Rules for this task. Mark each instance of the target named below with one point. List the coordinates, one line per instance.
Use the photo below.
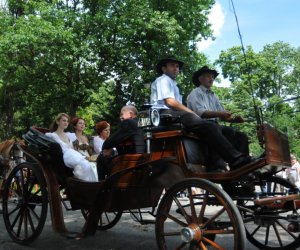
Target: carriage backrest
(48, 151)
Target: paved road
(126, 235)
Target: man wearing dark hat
(165, 94)
(203, 101)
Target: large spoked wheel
(205, 219)
(107, 220)
(272, 228)
(25, 203)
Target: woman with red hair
(103, 131)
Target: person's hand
(93, 158)
(224, 115)
(235, 119)
(107, 152)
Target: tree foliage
(55, 56)
(269, 80)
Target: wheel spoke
(286, 230)
(267, 235)
(20, 223)
(17, 208)
(202, 210)
(25, 223)
(193, 210)
(277, 235)
(202, 246)
(31, 181)
(213, 243)
(209, 221)
(16, 219)
(106, 216)
(179, 222)
(256, 229)
(177, 233)
(182, 210)
(36, 216)
(30, 221)
(218, 231)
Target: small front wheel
(25, 203)
(269, 227)
(205, 219)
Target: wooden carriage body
(137, 181)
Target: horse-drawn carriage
(256, 204)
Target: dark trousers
(103, 166)
(210, 133)
(238, 139)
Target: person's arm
(72, 136)
(97, 145)
(122, 134)
(174, 104)
(223, 114)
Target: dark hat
(164, 61)
(202, 71)
(100, 126)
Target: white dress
(75, 160)
(83, 150)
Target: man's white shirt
(164, 87)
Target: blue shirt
(164, 87)
(202, 99)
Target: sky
(261, 22)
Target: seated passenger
(82, 143)
(72, 159)
(103, 131)
(128, 139)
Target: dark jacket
(128, 139)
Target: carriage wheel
(269, 228)
(107, 220)
(25, 203)
(206, 218)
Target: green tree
(266, 78)
(55, 55)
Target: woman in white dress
(103, 131)
(72, 159)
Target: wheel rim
(271, 228)
(25, 203)
(206, 219)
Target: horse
(10, 155)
